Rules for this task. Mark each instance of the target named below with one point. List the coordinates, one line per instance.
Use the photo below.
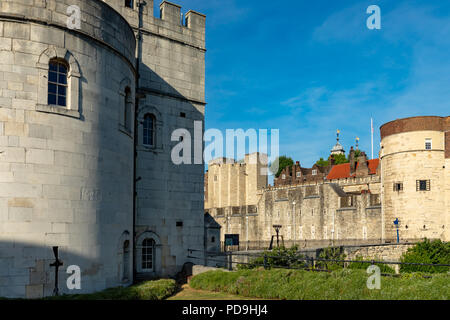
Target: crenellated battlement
(170, 22)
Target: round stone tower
(415, 178)
(66, 145)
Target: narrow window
(148, 252)
(126, 260)
(422, 185)
(283, 176)
(398, 186)
(314, 172)
(57, 83)
(149, 130)
(213, 239)
(127, 109)
(428, 144)
(129, 4)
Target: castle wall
(315, 213)
(170, 197)
(66, 174)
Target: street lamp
(396, 222)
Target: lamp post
(396, 222)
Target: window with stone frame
(398, 186)
(148, 254)
(314, 172)
(422, 185)
(428, 144)
(299, 174)
(57, 83)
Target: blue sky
(311, 67)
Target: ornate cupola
(338, 148)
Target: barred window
(57, 83)
(149, 130)
(398, 186)
(129, 3)
(148, 253)
(422, 185)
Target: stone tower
(415, 171)
(68, 103)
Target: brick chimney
(363, 169)
(352, 160)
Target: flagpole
(371, 129)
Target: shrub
(432, 252)
(278, 257)
(331, 253)
(360, 265)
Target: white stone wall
(172, 89)
(66, 176)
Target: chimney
(363, 168)
(352, 160)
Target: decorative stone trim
(157, 145)
(73, 83)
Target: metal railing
(307, 263)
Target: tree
(283, 162)
(322, 163)
(340, 158)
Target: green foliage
(340, 158)
(278, 257)
(283, 162)
(344, 284)
(435, 252)
(322, 163)
(149, 290)
(331, 253)
(361, 265)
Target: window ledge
(57, 110)
(149, 149)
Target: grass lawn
(343, 284)
(188, 293)
(149, 290)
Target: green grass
(187, 293)
(149, 290)
(343, 284)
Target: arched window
(148, 253)
(57, 83)
(126, 260)
(128, 103)
(149, 130)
